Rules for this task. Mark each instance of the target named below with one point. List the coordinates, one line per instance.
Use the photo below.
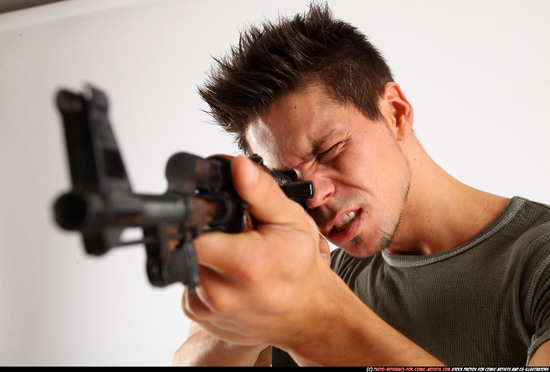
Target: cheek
(377, 167)
(351, 172)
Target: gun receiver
(200, 196)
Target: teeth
(340, 226)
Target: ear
(398, 111)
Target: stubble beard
(386, 237)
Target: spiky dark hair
(284, 56)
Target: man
(429, 270)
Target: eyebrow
(317, 145)
(315, 149)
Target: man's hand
(255, 285)
(271, 286)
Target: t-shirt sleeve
(539, 302)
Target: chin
(358, 248)
(362, 247)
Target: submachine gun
(200, 196)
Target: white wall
(476, 73)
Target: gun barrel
(92, 211)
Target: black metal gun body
(200, 196)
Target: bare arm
(541, 356)
(204, 349)
(273, 288)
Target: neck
(441, 213)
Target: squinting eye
(324, 153)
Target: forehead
(294, 124)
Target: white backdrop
(475, 71)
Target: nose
(324, 189)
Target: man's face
(360, 174)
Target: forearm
(204, 349)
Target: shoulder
(523, 239)
(532, 213)
(525, 227)
(531, 260)
(532, 225)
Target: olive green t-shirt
(486, 302)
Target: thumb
(268, 203)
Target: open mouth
(347, 228)
(344, 223)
